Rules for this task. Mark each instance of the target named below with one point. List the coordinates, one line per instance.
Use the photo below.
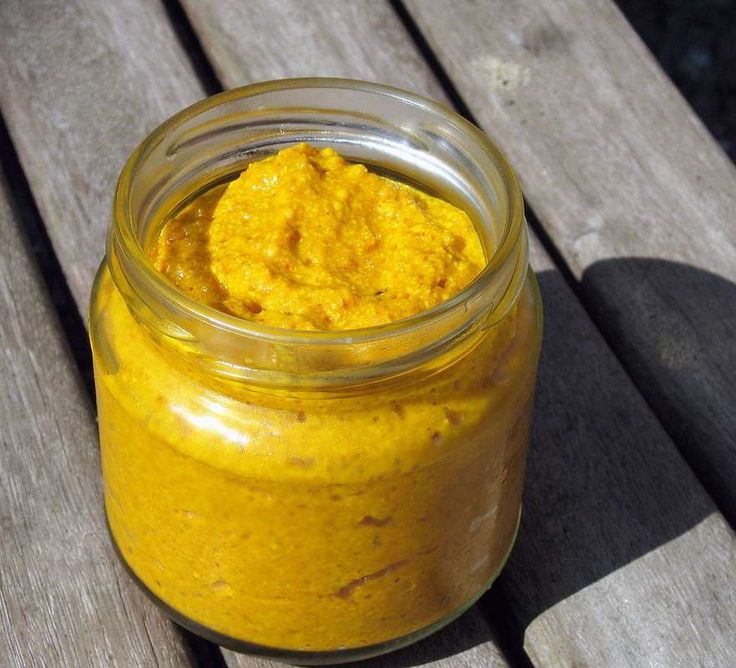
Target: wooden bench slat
(64, 599)
(301, 46)
(76, 109)
(466, 643)
(619, 543)
(614, 519)
(632, 189)
(81, 84)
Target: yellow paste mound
(306, 240)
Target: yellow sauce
(306, 240)
(321, 522)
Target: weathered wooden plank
(619, 542)
(65, 87)
(466, 643)
(80, 85)
(630, 186)
(293, 38)
(64, 600)
(622, 558)
(73, 180)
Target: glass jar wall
(314, 496)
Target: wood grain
(612, 551)
(294, 38)
(466, 643)
(64, 600)
(632, 189)
(81, 83)
(619, 543)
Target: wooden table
(626, 556)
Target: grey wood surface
(289, 39)
(611, 553)
(466, 643)
(633, 191)
(81, 83)
(64, 600)
(622, 557)
(616, 528)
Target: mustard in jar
(314, 381)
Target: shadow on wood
(684, 361)
(605, 484)
(456, 646)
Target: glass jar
(314, 496)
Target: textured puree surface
(324, 521)
(314, 523)
(306, 240)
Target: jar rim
(126, 242)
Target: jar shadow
(684, 359)
(464, 637)
(605, 483)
